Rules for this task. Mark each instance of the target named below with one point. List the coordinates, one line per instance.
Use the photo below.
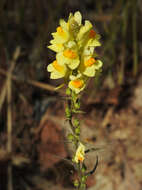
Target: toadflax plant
(76, 61)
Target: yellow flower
(69, 57)
(93, 40)
(77, 83)
(57, 70)
(87, 36)
(89, 66)
(62, 34)
(80, 153)
(84, 30)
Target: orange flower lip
(77, 83)
(70, 54)
(80, 158)
(89, 62)
(60, 31)
(92, 33)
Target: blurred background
(33, 151)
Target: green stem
(73, 105)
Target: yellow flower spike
(74, 44)
(80, 153)
(57, 70)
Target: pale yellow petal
(90, 71)
(80, 153)
(64, 25)
(56, 47)
(78, 17)
(84, 29)
(60, 58)
(73, 64)
(98, 64)
(56, 75)
(50, 68)
(93, 42)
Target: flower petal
(84, 29)
(78, 17)
(80, 153)
(90, 71)
(56, 47)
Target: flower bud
(68, 91)
(76, 123)
(76, 183)
(70, 137)
(68, 112)
(77, 131)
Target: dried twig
(13, 62)
(9, 116)
(2, 96)
(9, 130)
(32, 82)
